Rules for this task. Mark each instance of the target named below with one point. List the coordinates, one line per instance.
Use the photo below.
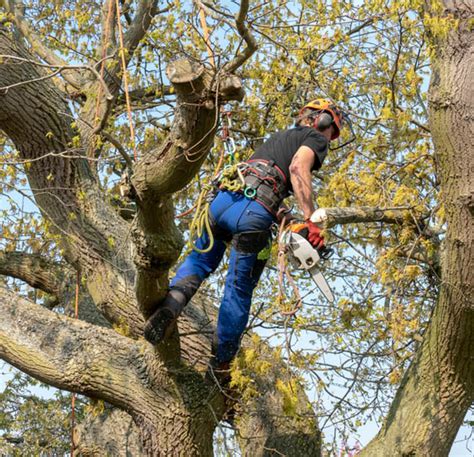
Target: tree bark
(438, 388)
(112, 432)
(171, 406)
(35, 270)
(35, 116)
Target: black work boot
(218, 372)
(159, 325)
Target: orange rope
(125, 80)
(202, 16)
(73, 399)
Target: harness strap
(258, 179)
(267, 181)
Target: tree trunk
(111, 432)
(438, 388)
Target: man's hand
(314, 235)
(311, 232)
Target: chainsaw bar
(302, 255)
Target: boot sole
(159, 326)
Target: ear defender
(323, 121)
(325, 107)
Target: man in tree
(282, 164)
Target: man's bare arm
(300, 176)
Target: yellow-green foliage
(122, 328)
(289, 392)
(259, 361)
(95, 408)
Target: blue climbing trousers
(246, 224)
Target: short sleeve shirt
(282, 146)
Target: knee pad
(251, 242)
(188, 286)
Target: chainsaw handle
(325, 252)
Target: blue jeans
(247, 224)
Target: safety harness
(258, 179)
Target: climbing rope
(201, 222)
(205, 29)
(230, 178)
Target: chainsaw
(303, 256)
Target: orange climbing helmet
(324, 105)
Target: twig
(36, 42)
(244, 32)
(60, 68)
(119, 148)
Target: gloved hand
(314, 235)
(310, 231)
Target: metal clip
(230, 145)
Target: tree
(64, 115)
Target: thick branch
(34, 269)
(330, 217)
(38, 121)
(170, 167)
(70, 354)
(97, 108)
(438, 388)
(100, 363)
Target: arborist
(281, 165)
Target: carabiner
(230, 145)
(249, 192)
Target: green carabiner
(249, 192)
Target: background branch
(245, 33)
(243, 30)
(35, 270)
(140, 24)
